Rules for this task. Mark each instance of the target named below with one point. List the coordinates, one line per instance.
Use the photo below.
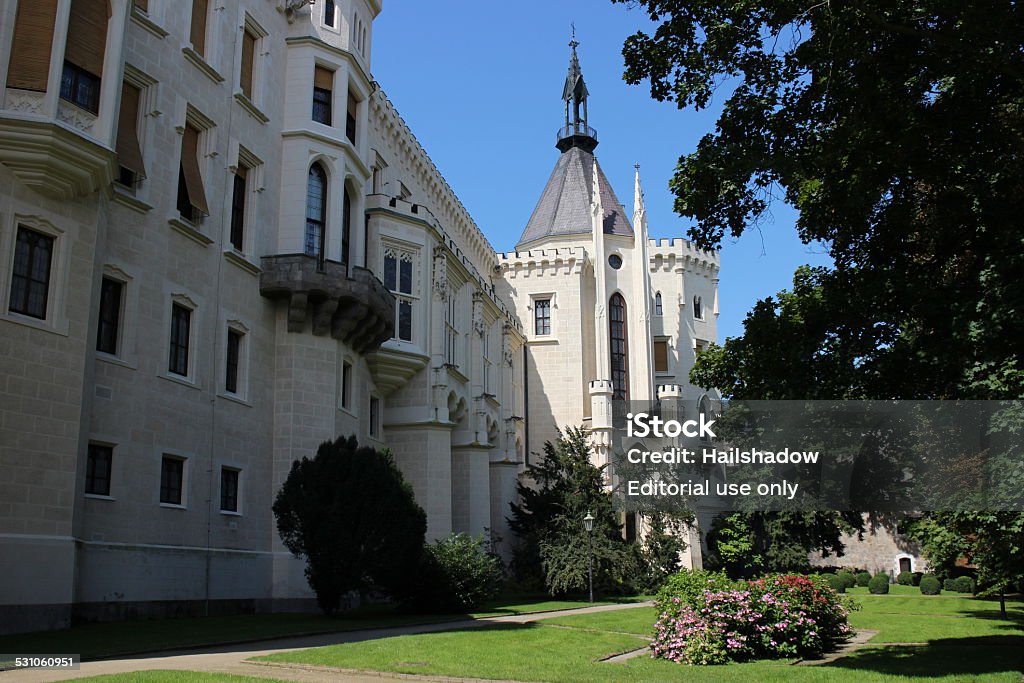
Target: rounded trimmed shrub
(458, 573)
(879, 584)
(950, 585)
(863, 579)
(905, 579)
(916, 578)
(836, 583)
(964, 584)
(848, 579)
(930, 585)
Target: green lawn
(94, 641)
(967, 641)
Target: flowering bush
(777, 616)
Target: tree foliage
(350, 513)
(896, 128)
(555, 496)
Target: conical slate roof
(564, 206)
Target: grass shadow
(942, 657)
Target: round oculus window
(615, 261)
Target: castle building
(221, 245)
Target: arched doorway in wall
(618, 347)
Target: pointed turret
(564, 206)
(575, 132)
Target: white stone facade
(283, 351)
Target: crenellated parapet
(540, 262)
(416, 163)
(677, 253)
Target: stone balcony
(351, 305)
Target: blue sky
(479, 83)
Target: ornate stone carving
(440, 274)
(78, 119)
(25, 101)
(478, 313)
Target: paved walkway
(231, 658)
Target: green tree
(555, 495)
(662, 547)
(350, 513)
(896, 128)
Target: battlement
(669, 391)
(541, 259)
(601, 386)
(679, 252)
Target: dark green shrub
(962, 584)
(930, 585)
(848, 579)
(950, 585)
(905, 579)
(687, 586)
(863, 579)
(916, 578)
(458, 573)
(836, 582)
(879, 584)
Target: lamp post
(588, 524)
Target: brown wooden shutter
(129, 151)
(323, 79)
(190, 167)
(660, 356)
(197, 34)
(248, 50)
(352, 104)
(33, 42)
(142, 5)
(87, 35)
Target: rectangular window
(29, 67)
(374, 416)
(129, 149)
(191, 194)
(350, 118)
(197, 30)
(30, 281)
(346, 224)
(346, 385)
(228, 489)
(542, 317)
(111, 294)
(141, 4)
(172, 476)
(97, 469)
(181, 322)
(238, 185)
(83, 54)
(79, 87)
(699, 346)
(231, 366)
(451, 330)
(398, 278)
(323, 87)
(329, 13)
(661, 356)
(245, 77)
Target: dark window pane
(542, 316)
(316, 211)
(346, 224)
(231, 378)
(229, 489)
(30, 281)
(97, 469)
(329, 10)
(405, 281)
(390, 269)
(181, 321)
(237, 211)
(346, 385)
(110, 315)
(172, 471)
(619, 350)
(374, 415)
(405, 321)
(322, 106)
(80, 87)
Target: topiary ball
(930, 585)
(879, 584)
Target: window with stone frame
(400, 278)
(451, 329)
(542, 317)
(30, 278)
(488, 377)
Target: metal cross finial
(573, 43)
(636, 166)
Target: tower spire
(576, 132)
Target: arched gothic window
(698, 308)
(316, 212)
(619, 348)
(657, 304)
